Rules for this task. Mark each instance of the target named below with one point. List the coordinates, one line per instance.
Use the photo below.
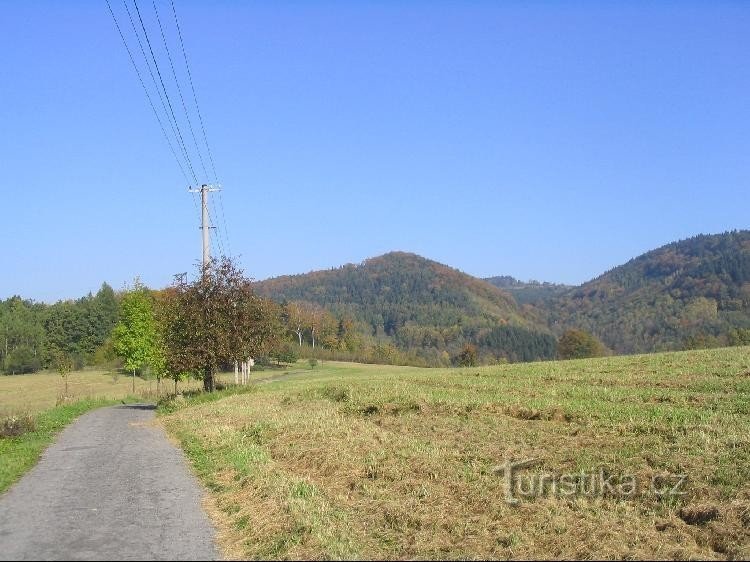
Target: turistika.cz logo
(597, 483)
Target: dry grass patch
(390, 462)
(24, 394)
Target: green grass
(354, 461)
(19, 454)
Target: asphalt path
(111, 487)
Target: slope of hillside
(689, 292)
(419, 304)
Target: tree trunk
(299, 335)
(236, 373)
(175, 386)
(133, 381)
(209, 384)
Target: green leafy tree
(739, 336)
(579, 344)
(135, 336)
(63, 365)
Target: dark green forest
(32, 333)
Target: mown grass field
(21, 394)
(363, 461)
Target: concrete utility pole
(204, 190)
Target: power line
(158, 91)
(161, 98)
(215, 222)
(179, 90)
(168, 108)
(145, 89)
(200, 119)
(224, 220)
(192, 87)
(166, 94)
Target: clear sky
(544, 140)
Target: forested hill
(691, 293)
(529, 292)
(420, 305)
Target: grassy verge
(19, 454)
(366, 461)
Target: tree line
(32, 334)
(217, 322)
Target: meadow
(368, 461)
(34, 393)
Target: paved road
(112, 487)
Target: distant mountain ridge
(694, 290)
(663, 299)
(529, 292)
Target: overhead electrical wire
(200, 120)
(148, 96)
(169, 113)
(179, 90)
(161, 99)
(164, 88)
(192, 87)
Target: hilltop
(420, 305)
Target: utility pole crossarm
(204, 190)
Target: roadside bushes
(15, 426)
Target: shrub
(579, 344)
(467, 357)
(286, 354)
(15, 426)
(22, 360)
(79, 361)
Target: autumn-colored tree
(294, 314)
(468, 356)
(216, 320)
(579, 344)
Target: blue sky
(545, 140)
